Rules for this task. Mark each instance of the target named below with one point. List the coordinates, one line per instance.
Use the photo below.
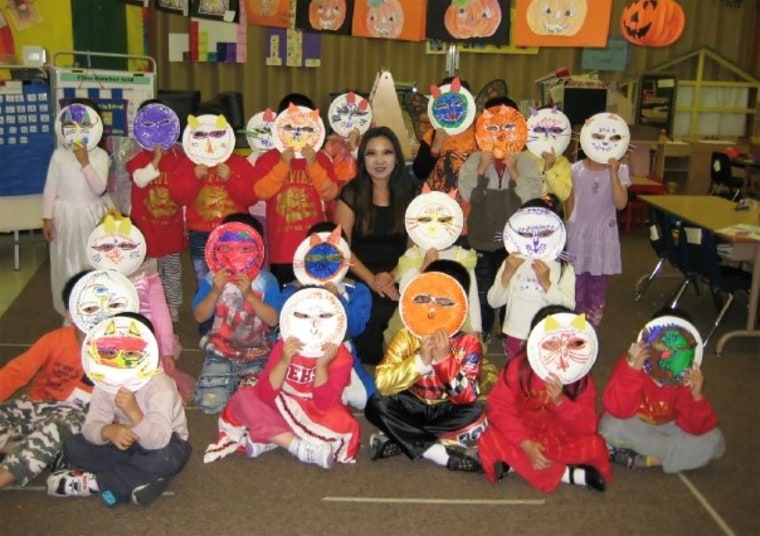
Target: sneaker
(224, 445)
(320, 454)
(500, 470)
(462, 461)
(73, 483)
(254, 450)
(59, 463)
(594, 479)
(623, 456)
(381, 446)
(147, 493)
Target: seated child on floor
(33, 425)
(542, 412)
(135, 436)
(655, 412)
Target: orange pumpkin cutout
(468, 19)
(431, 301)
(556, 17)
(327, 14)
(501, 130)
(656, 23)
(385, 18)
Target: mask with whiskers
(434, 220)
(322, 258)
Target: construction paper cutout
(330, 16)
(322, 258)
(433, 301)
(501, 130)
(549, 130)
(260, 131)
(79, 124)
(208, 139)
(675, 347)
(434, 220)
(101, 294)
(116, 244)
(296, 127)
(270, 13)
(535, 233)
(314, 316)
(389, 19)
(562, 23)
(235, 247)
(452, 108)
(349, 111)
(156, 125)
(603, 136)
(563, 344)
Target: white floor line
(403, 500)
(706, 505)
(43, 488)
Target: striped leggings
(170, 272)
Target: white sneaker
(320, 454)
(70, 483)
(254, 450)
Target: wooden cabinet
(673, 164)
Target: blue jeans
(198, 241)
(219, 379)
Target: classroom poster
(473, 46)
(562, 23)
(270, 13)
(216, 10)
(614, 57)
(389, 19)
(476, 21)
(329, 16)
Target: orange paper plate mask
(432, 301)
(501, 130)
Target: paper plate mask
(564, 344)
(349, 111)
(431, 301)
(120, 352)
(156, 125)
(315, 316)
(116, 244)
(434, 220)
(501, 130)
(100, 294)
(208, 139)
(604, 136)
(236, 247)
(675, 345)
(79, 124)
(548, 130)
(260, 131)
(298, 126)
(535, 233)
(322, 258)
(451, 107)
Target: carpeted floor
(275, 495)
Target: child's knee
(212, 394)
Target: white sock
(579, 476)
(293, 447)
(436, 454)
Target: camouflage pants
(40, 428)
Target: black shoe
(461, 461)
(381, 446)
(500, 469)
(147, 493)
(59, 463)
(623, 456)
(594, 479)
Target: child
(34, 425)
(74, 199)
(543, 430)
(648, 424)
(244, 310)
(525, 287)
(131, 443)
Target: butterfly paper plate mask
(451, 107)
(120, 352)
(260, 131)
(314, 316)
(297, 126)
(434, 219)
(116, 244)
(603, 136)
(208, 139)
(322, 258)
(535, 233)
(156, 125)
(564, 344)
(501, 130)
(432, 301)
(79, 124)
(100, 294)
(675, 347)
(235, 247)
(349, 111)
(549, 130)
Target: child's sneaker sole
(147, 493)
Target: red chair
(636, 212)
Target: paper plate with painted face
(675, 346)
(322, 258)
(100, 294)
(604, 136)
(116, 244)
(298, 126)
(235, 247)
(451, 107)
(501, 130)
(432, 301)
(349, 111)
(120, 352)
(434, 220)
(549, 130)
(260, 131)
(535, 233)
(156, 125)
(208, 139)
(79, 124)
(564, 344)
(315, 316)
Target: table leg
(754, 295)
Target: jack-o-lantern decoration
(327, 14)
(433, 301)
(556, 17)
(501, 130)
(385, 18)
(467, 19)
(656, 23)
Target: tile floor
(32, 253)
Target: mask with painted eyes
(260, 131)
(116, 244)
(535, 233)
(451, 107)
(101, 294)
(79, 124)
(314, 316)
(434, 220)
(120, 352)
(501, 130)
(548, 130)
(675, 347)
(563, 344)
(156, 125)
(322, 258)
(604, 136)
(349, 111)
(236, 247)
(298, 126)
(208, 139)
(431, 301)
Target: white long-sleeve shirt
(68, 181)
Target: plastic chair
(722, 182)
